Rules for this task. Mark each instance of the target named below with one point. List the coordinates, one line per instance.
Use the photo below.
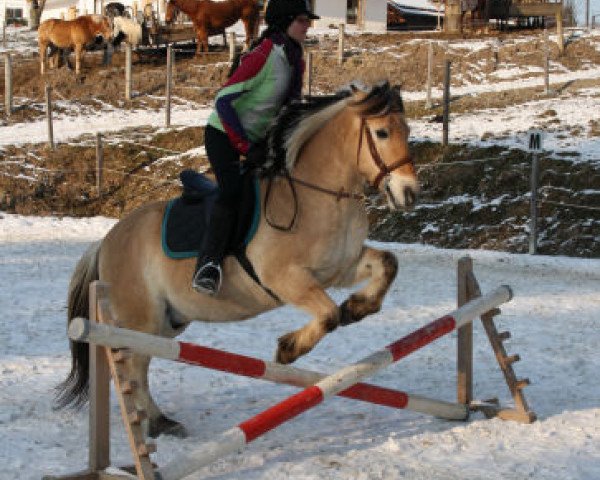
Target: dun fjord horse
(212, 18)
(331, 152)
(66, 35)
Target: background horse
(124, 30)
(67, 35)
(212, 18)
(363, 136)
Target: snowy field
(554, 320)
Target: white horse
(124, 30)
(127, 30)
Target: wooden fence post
(546, 64)
(8, 86)
(128, 82)
(428, 103)
(99, 165)
(231, 36)
(446, 115)
(308, 85)
(464, 353)
(169, 84)
(341, 44)
(49, 116)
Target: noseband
(384, 170)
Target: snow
(554, 321)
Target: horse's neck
(188, 6)
(329, 158)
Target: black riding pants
(225, 162)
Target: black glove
(257, 154)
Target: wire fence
(120, 177)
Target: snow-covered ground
(554, 320)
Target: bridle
(384, 171)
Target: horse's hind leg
(157, 423)
(380, 267)
(146, 314)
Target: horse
(125, 30)
(358, 137)
(212, 18)
(66, 35)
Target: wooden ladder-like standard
(468, 289)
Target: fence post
(308, 85)
(49, 116)
(446, 115)
(8, 87)
(428, 103)
(533, 204)
(99, 164)
(496, 51)
(128, 82)
(341, 43)
(231, 36)
(169, 84)
(546, 64)
(464, 350)
(587, 14)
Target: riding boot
(208, 274)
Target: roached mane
(299, 121)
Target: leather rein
(384, 171)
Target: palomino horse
(66, 35)
(212, 18)
(358, 137)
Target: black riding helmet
(281, 13)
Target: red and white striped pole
(81, 330)
(236, 438)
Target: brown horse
(331, 152)
(212, 18)
(65, 35)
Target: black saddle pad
(186, 218)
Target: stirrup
(207, 279)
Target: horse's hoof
(347, 315)
(164, 425)
(286, 348)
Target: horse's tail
(73, 391)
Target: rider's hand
(257, 153)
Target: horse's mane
(299, 121)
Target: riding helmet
(281, 13)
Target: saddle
(186, 218)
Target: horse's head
(102, 28)
(383, 154)
(171, 13)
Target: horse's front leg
(380, 268)
(297, 286)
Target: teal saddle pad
(186, 218)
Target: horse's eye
(381, 133)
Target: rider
(268, 76)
